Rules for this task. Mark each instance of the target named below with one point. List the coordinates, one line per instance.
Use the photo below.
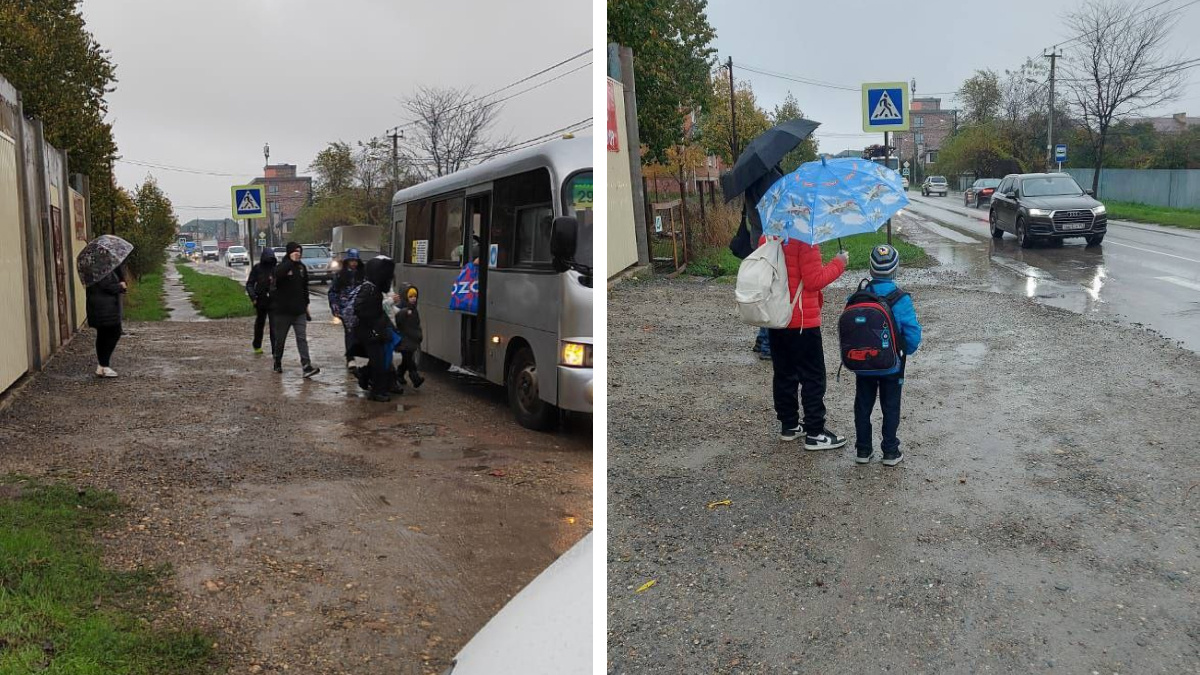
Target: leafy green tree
(147, 220)
(316, 222)
(333, 169)
(806, 151)
(63, 74)
(715, 123)
(981, 97)
(672, 54)
(980, 150)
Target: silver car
(934, 184)
(320, 263)
(236, 255)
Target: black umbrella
(763, 153)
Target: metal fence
(1179, 188)
(43, 225)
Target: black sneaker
(893, 460)
(381, 398)
(864, 456)
(278, 367)
(310, 370)
(417, 381)
(792, 434)
(826, 440)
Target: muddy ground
(309, 530)
(1044, 520)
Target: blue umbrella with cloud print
(832, 198)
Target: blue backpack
(349, 318)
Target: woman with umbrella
(99, 270)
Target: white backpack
(762, 287)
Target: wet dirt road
(310, 530)
(1044, 519)
(1142, 274)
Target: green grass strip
(723, 261)
(217, 297)
(1158, 215)
(145, 300)
(62, 611)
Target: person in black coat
(258, 288)
(408, 324)
(104, 314)
(289, 308)
(373, 327)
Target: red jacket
(804, 262)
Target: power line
(166, 167)
(799, 79)
(1120, 19)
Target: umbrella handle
(840, 249)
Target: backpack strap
(895, 296)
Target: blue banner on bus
(464, 295)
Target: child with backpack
(877, 317)
(408, 323)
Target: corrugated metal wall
(1179, 188)
(622, 240)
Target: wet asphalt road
(1143, 275)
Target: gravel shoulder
(1044, 519)
(309, 529)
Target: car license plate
(1074, 226)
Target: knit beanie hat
(292, 246)
(884, 261)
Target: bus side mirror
(564, 238)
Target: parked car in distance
(1048, 206)
(320, 263)
(236, 255)
(934, 184)
(980, 191)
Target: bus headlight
(577, 355)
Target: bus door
(476, 246)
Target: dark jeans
(799, 361)
(281, 323)
(888, 389)
(106, 343)
(261, 320)
(764, 340)
(408, 366)
(349, 341)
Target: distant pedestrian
(289, 308)
(797, 353)
(258, 288)
(885, 262)
(344, 282)
(408, 323)
(373, 327)
(104, 314)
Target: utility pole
(1053, 56)
(396, 135)
(732, 114)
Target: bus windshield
(577, 194)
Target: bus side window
(522, 214)
(446, 248)
(416, 233)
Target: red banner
(614, 144)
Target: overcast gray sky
(938, 42)
(203, 84)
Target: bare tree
(1118, 68)
(450, 130)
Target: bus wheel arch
(521, 374)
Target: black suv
(1048, 206)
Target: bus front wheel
(531, 411)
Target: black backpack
(868, 335)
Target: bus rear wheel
(523, 394)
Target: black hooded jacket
(258, 284)
(408, 322)
(373, 322)
(104, 302)
(290, 296)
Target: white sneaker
(102, 371)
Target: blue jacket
(904, 311)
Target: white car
(236, 255)
(934, 185)
(546, 629)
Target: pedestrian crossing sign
(885, 106)
(248, 201)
